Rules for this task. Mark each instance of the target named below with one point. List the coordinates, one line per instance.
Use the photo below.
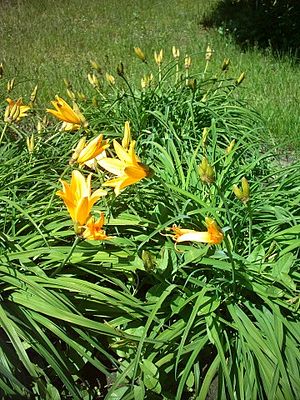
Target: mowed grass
(44, 41)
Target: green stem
(250, 226)
(226, 207)
(61, 266)
(227, 244)
(3, 132)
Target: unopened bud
(230, 147)
(71, 94)
(175, 52)
(187, 62)
(30, 143)
(206, 171)
(77, 150)
(204, 136)
(81, 96)
(158, 57)
(92, 78)
(209, 53)
(1, 70)
(146, 81)
(139, 53)
(33, 95)
(244, 193)
(225, 64)
(127, 136)
(110, 79)
(95, 66)
(240, 79)
(67, 84)
(10, 85)
(192, 84)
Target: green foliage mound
(138, 316)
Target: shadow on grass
(271, 24)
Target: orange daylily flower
(127, 167)
(92, 151)
(78, 198)
(213, 235)
(94, 229)
(15, 110)
(72, 118)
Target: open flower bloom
(72, 117)
(78, 198)
(93, 151)
(94, 229)
(15, 110)
(213, 235)
(127, 167)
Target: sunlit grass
(43, 43)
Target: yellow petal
(82, 211)
(194, 236)
(112, 165)
(121, 152)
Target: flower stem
(3, 132)
(250, 226)
(61, 266)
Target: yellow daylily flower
(72, 118)
(140, 54)
(158, 57)
(15, 110)
(94, 229)
(213, 235)
(127, 167)
(78, 198)
(91, 151)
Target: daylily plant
(78, 198)
(72, 118)
(213, 235)
(127, 167)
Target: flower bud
(206, 171)
(30, 143)
(120, 69)
(187, 62)
(209, 53)
(244, 193)
(10, 85)
(95, 66)
(33, 95)
(230, 147)
(1, 70)
(110, 79)
(240, 79)
(225, 64)
(139, 53)
(92, 78)
(158, 57)
(175, 52)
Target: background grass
(45, 41)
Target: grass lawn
(43, 42)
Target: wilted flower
(15, 111)
(78, 198)
(72, 117)
(94, 229)
(1, 70)
(213, 235)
